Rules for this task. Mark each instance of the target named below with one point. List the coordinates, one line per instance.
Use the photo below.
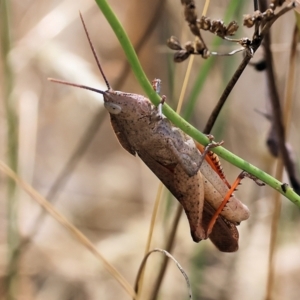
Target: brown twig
(216, 111)
(277, 119)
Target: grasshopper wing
(188, 190)
(224, 235)
(120, 136)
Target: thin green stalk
(180, 122)
(12, 154)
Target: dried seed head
(199, 46)
(218, 27)
(204, 23)
(181, 55)
(231, 28)
(248, 21)
(173, 43)
(268, 14)
(257, 15)
(189, 47)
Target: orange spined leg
(225, 200)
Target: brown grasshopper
(174, 157)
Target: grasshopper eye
(113, 108)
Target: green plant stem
(176, 119)
(13, 237)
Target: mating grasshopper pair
(195, 179)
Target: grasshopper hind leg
(224, 235)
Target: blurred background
(109, 194)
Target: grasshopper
(196, 180)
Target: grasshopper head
(126, 105)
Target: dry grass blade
(139, 281)
(81, 238)
(290, 83)
(140, 272)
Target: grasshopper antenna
(76, 85)
(94, 52)
(98, 64)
